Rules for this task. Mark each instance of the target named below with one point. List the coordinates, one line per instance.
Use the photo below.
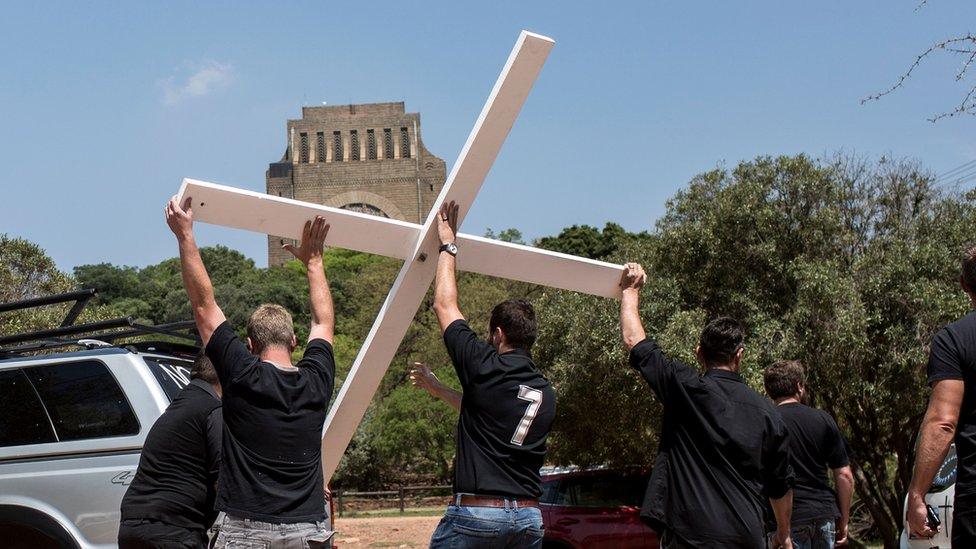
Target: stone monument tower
(368, 158)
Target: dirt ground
(353, 533)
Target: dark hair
(203, 369)
(969, 268)
(720, 340)
(516, 318)
(783, 379)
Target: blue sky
(106, 106)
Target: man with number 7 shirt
(507, 408)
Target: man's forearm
(933, 446)
(195, 278)
(445, 291)
(445, 287)
(783, 509)
(448, 395)
(320, 297)
(630, 322)
(844, 480)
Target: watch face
(452, 249)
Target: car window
(23, 420)
(550, 492)
(605, 490)
(172, 374)
(83, 400)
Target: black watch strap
(450, 248)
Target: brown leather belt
(467, 500)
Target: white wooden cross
(415, 244)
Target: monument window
(303, 150)
(336, 147)
(362, 207)
(370, 145)
(353, 145)
(387, 143)
(320, 147)
(404, 143)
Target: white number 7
(534, 396)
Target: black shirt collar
(726, 374)
(205, 386)
(521, 352)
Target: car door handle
(567, 521)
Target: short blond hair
(270, 325)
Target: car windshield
(606, 489)
(172, 374)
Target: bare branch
(918, 61)
(952, 46)
(968, 106)
(965, 67)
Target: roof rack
(80, 297)
(69, 334)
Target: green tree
(587, 241)
(512, 235)
(26, 271)
(847, 265)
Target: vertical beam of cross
(414, 278)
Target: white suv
(72, 425)
(70, 436)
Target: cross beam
(415, 244)
(276, 215)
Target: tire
(24, 528)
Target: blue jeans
(488, 528)
(814, 535)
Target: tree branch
(967, 106)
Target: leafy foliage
(846, 265)
(27, 272)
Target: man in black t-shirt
(170, 502)
(507, 408)
(271, 485)
(724, 448)
(951, 414)
(820, 516)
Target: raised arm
(445, 284)
(938, 430)
(206, 313)
(309, 252)
(421, 376)
(631, 280)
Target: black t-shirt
(723, 453)
(815, 446)
(272, 455)
(176, 480)
(953, 356)
(506, 412)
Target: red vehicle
(595, 509)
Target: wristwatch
(450, 248)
